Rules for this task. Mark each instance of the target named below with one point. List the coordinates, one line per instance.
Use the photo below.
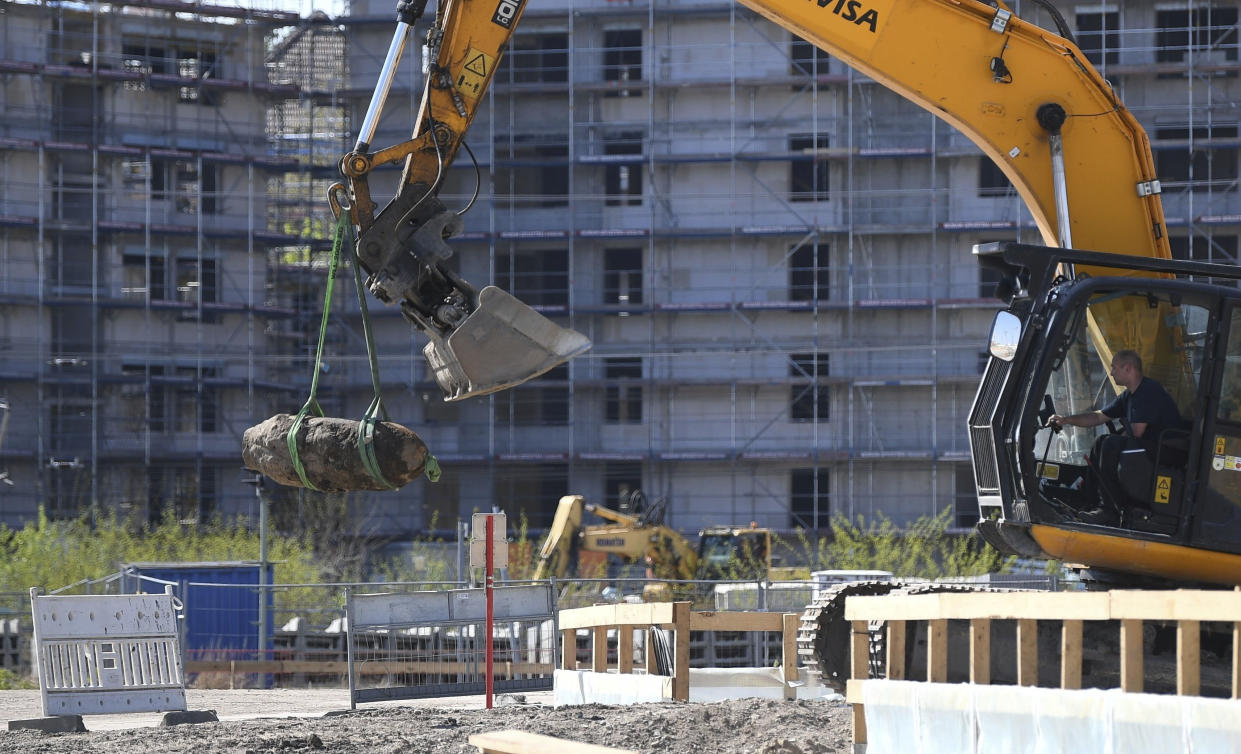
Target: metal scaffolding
(769, 251)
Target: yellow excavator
(639, 535)
(1027, 96)
(1032, 102)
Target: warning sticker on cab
(1220, 444)
(1226, 463)
(1163, 489)
(474, 72)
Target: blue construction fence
(224, 605)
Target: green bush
(924, 549)
(52, 554)
(10, 681)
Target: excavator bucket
(501, 344)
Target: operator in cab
(1147, 410)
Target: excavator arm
(484, 340)
(1028, 98)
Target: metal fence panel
(425, 644)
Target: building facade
(770, 253)
(133, 236)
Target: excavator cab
(726, 553)
(1177, 495)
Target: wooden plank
(1131, 655)
(997, 605)
(895, 659)
(655, 613)
(335, 667)
(680, 679)
(788, 655)
(521, 742)
(735, 621)
(652, 657)
(937, 651)
(1182, 604)
(859, 670)
(859, 726)
(980, 651)
(859, 649)
(1236, 660)
(1188, 658)
(1071, 655)
(599, 649)
(568, 651)
(853, 690)
(1027, 652)
(624, 649)
(246, 666)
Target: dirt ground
(295, 722)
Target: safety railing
(1079, 614)
(624, 619)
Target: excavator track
(823, 644)
(823, 634)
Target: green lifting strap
(377, 410)
(366, 427)
(312, 403)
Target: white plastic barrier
(574, 687)
(929, 718)
(105, 654)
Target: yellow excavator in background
(639, 535)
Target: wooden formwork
(678, 617)
(1186, 608)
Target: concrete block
(55, 724)
(189, 717)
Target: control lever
(1046, 412)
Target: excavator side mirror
(1005, 335)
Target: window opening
(623, 402)
(809, 173)
(622, 276)
(810, 500)
(810, 400)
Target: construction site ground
(289, 721)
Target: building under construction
(770, 253)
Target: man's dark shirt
(1149, 404)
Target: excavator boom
(1027, 97)
(1000, 81)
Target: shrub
(924, 549)
(52, 554)
(10, 681)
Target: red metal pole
(490, 651)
